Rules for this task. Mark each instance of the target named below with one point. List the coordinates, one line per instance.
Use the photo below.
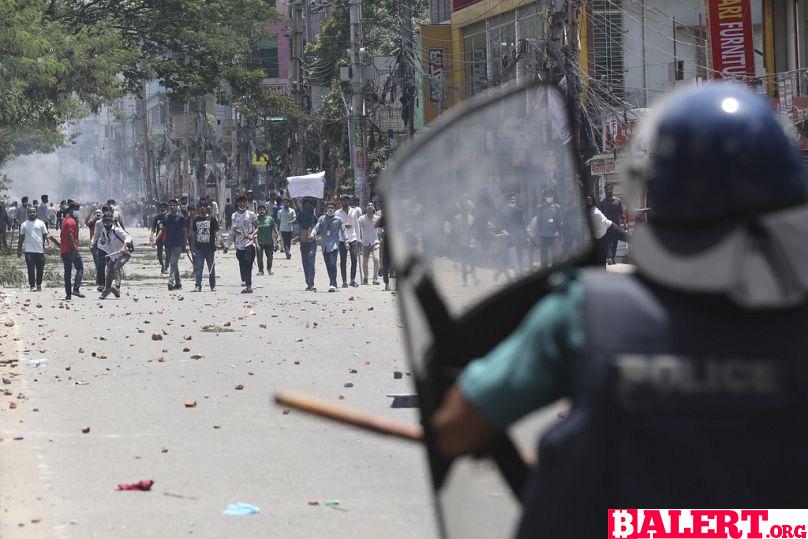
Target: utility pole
(145, 149)
(357, 126)
(297, 84)
(407, 68)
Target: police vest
(684, 401)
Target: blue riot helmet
(720, 152)
(727, 191)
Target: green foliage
(60, 59)
(381, 38)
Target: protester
(464, 225)
(175, 243)
(545, 228)
(277, 207)
(286, 218)
(349, 217)
(22, 211)
(32, 238)
(369, 238)
(385, 250)
(612, 208)
(306, 221)
(90, 222)
(117, 216)
(69, 246)
(268, 237)
(204, 236)
(252, 203)
(100, 252)
(52, 215)
(243, 231)
(115, 242)
(228, 214)
(601, 226)
(5, 224)
(331, 230)
(42, 210)
(158, 236)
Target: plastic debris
(332, 502)
(39, 362)
(146, 484)
(241, 509)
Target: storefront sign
(436, 76)
(730, 33)
(601, 165)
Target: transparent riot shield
(480, 213)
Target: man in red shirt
(69, 246)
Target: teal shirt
(265, 228)
(535, 365)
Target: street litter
(404, 401)
(40, 362)
(240, 509)
(146, 484)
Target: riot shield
(480, 213)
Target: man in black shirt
(159, 236)
(204, 235)
(228, 214)
(612, 208)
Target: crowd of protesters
(349, 237)
(197, 230)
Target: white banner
(311, 185)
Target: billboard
(730, 36)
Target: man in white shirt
(33, 233)
(350, 218)
(243, 232)
(600, 226)
(116, 244)
(369, 237)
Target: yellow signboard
(260, 160)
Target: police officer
(688, 379)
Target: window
(607, 57)
(175, 105)
(268, 55)
(476, 58)
(502, 47)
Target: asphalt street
(110, 408)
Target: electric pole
(407, 68)
(357, 125)
(145, 149)
(297, 84)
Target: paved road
(105, 372)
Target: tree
(61, 59)
(381, 38)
